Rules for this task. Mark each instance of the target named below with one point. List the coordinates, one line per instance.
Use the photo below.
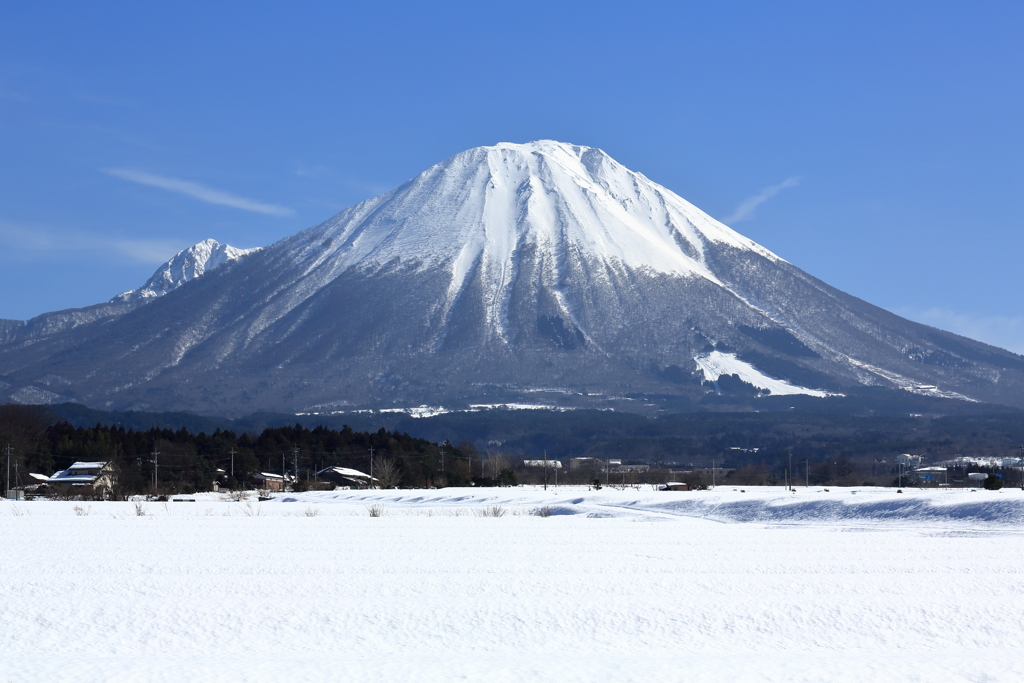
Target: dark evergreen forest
(163, 460)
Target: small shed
(269, 481)
(550, 464)
(675, 486)
(345, 476)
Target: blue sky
(876, 145)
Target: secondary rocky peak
(186, 265)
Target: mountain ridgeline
(517, 273)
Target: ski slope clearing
(473, 584)
(716, 364)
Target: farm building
(84, 478)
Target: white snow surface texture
(847, 585)
(186, 265)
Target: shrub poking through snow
(250, 510)
(491, 511)
(311, 511)
(543, 511)
(375, 510)
(140, 509)
(81, 511)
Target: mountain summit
(493, 276)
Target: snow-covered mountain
(498, 273)
(186, 265)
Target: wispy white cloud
(198, 191)
(52, 241)
(745, 210)
(1004, 331)
(321, 172)
(147, 251)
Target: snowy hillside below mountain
(498, 273)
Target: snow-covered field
(727, 585)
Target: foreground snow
(634, 585)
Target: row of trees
(180, 461)
(177, 461)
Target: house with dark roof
(345, 476)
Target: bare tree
(387, 473)
(495, 464)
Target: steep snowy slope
(499, 272)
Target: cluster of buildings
(97, 479)
(340, 476)
(956, 471)
(611, 466)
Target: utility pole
(442, 461)
(807, 473)
(284, 472)
(712, 473)
(790, 476)
(371, 467)
(232, 451)
(7, 491)
(295, 454)
(156, 467)
(545, 470)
